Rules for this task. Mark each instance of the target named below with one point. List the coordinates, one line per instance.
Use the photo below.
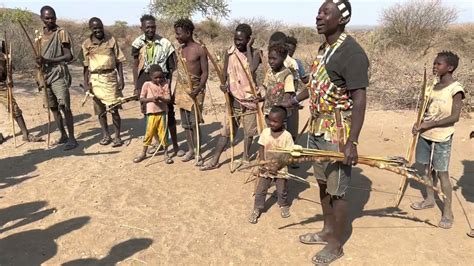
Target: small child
(437, 129)
(278, 84)
(272, 138)
(155, 94)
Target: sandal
(445, 223)
(116, 143)
(139, 158)
(71, 145)
(188, 157)
(285, 212)
(62, 140)
(312, 239)
(105, 141)
(253, 219)
(325, 257)
(471, 234)
(33, 138)
(421, 205)
(209, 166)
(169, 160)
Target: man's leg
(59, 123)
(71, 143)
(104, 126)
(173, 130)
(189, 134)
(117, 122)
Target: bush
(415, 23)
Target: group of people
(166, 77)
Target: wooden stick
(425, 97)
(230, 113)
(37, 51)
(8, 55)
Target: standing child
(155, 94)
(278, 84)
(273, 137)
(437, 129)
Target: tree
(172, 9)
(416, 23)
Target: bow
(9, 70)
(397, 165)
(424, 97)
(121, 100)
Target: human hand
(250, 43)
(224, 87)
(121, 84)
(195, 92)
(350, 153)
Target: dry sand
(94, 206)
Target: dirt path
(94, 206)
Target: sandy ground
(94, 206)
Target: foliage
(416, 23)
(171, 9)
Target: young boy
(148, 49)
(273, 137)
(278, 84)
(437, 129)
(192, 68)
(103, 75)
(155, 95)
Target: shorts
(292, 122)
(4, 100)
(188, 118)
(441, 153)
(248, 122)
(58, 94)
(100, 108)
(336, 176)
(156, 126)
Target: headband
(343, 8)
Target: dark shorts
(188, 118)
(100, 108)
(441, 153)
(58, 94)
(248, 122)
(142, 78)
(336, 176)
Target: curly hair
(278, 109)
(155, 68)
(292, 40)
(95, 19)
(451, 58)
(278, 36)
(47, 8)
(147, 17)
(185, 24)
(280, 48)
(245, 28)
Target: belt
(102, 71)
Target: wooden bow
(9, 70)
(197, 115)
(228, 102)
(424, 97)
(37, 52)
(260, 117)
(298, 154)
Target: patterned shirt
(159, 50)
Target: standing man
(238, 87)
(56, 52)
(337, 92)
(149, 49)
(103, 76)
(191, 85)
(17, 113)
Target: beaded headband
(343, 8)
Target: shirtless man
(191, 84)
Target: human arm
(450, 120)
(135, 73)
(204, 72)
(121, 81)
(66, 57)
(225, 87)
(86, 84)
(359, 98)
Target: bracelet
(354, 142)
